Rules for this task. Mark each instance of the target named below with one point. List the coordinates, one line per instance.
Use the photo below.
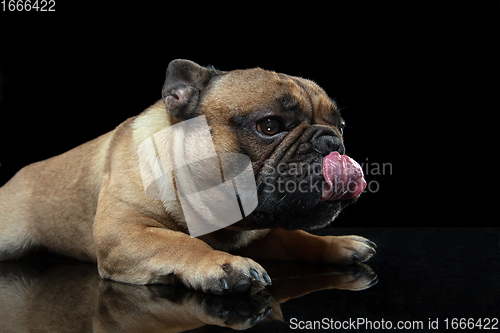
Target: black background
(413, 80)
(416, 81)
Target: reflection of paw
(220, 273)
(295, 279)
(347, 250)
(180, 309)
(239, 311)
(360, 277)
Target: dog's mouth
(312, 199)
(334, 177)
(344, 178)
(304, 189)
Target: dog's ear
(183, 85)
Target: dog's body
(90, 203)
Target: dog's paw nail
(255, 320)
(357, 249)
(224, 284)
(267, 312)
(242, 286)
(267, 278)
(356, 258)
(217, 291)
(255, 275)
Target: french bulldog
(90, 203)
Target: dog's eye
(269, 126)
(341, 127)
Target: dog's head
(288, 127)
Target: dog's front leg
(292, 245)
(134, 248)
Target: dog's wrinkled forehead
(256, 89)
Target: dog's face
(286, 125)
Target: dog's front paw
(348, 250)
(220, 273)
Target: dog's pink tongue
(344, 177)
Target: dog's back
(52, 203)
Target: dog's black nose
(325, 141)
(326, 144)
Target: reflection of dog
(59, 296)
(89, 203)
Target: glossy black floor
(419, 277)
